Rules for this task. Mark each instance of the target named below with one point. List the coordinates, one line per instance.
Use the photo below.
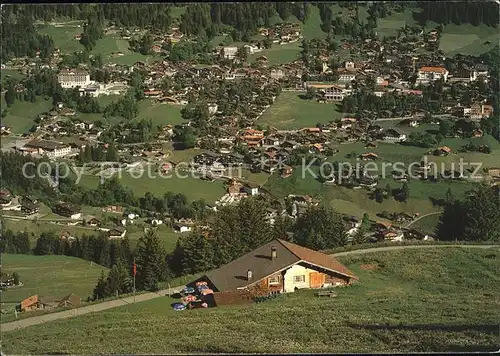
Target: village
(402, 68)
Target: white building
(429, 74)
(251, 189)
(229, 52)
(51, 148)
(72, 78)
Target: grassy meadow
(55, 276)
(429, 300)
(290, 111)
(468, 39)
(159, 113)
(193, 188)
(21, 115)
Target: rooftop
(234, 274)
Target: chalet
(329, 92)
(180, 228)
(234, 187)
(443, 151)
(278, 267)
(117, 233)
(229, 52)
(113, 209)
(5, 130)
(291, 144)
(66, 235)
(286, 171)
(477, 133)
(68, 210)
(251, 189)
(428, 74)
(207, 158)
(5, 197)
(394, 136)
(92, 221)
(28, 304)
(29, 208)
(370, 156)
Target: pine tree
(118, 281)
(100, 288)
(198, 254)
(150, 260)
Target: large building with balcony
(428, 74)
(72, 78)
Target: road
(19, 324)
(23, 323)
(393, 248)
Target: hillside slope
(408, 300)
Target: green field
(468, 39)
(63, 37)
(64, 40)
(389, 25)
(414, 301)
(55, 276)
(278, 54)
(427, 224)
(21, 115)
(193, 188)
(160, 113)
(289, 111)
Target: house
(443, 151)
(428, 74)
(66, 235)
(393, 135)
(93, 221)
(286, 171)
(251, 189)
(117, 233)
(370, 156)
(329, 92)
(234, 187)
(413, 123)
(229, 52)
(279, 267)
(28, 304)
(29, 208)
(113, 209)
(180, 228)
(5, 197)
(68, 210)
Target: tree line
(473, 12)
(237, 230)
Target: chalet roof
(234, 274)
(441, 70)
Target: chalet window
(274, 280)
(299, 279)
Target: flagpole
(134, 279)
